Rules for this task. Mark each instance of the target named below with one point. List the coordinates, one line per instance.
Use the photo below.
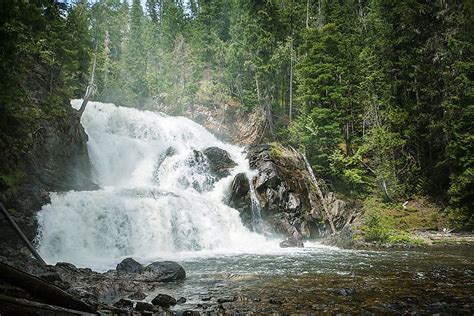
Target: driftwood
(20, 234)
(47, 292)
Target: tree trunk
(291, 78)
(307, 14)
(90, 88)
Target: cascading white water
(257, 221)
(156, 200)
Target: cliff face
(57, 160)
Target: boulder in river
(164, 300)
(129, 265)
(165, 271)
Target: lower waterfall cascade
(154, 200)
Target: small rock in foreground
(164, 300)
(123, 303)
(225, 300)
(347, 291)
(142, 306)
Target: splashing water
(157, 199)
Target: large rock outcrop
(291, 202)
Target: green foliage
(348, 168)
(318, 134)
(44, 58)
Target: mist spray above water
(156, 201)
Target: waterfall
(257, 221)
(156, 197)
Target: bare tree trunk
(90, 88)
(44, 290)
(20, 234)
(320, 193)
(257, 87)
(307, 14)
(269, 116)
(383, 183)
(320, 16)
(291, 78)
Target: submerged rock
(181, 300)
(275, 301)
(164, 300)
(129, 265)
(225, 300)
(347, 291)
(291, 242)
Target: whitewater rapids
(153, 202)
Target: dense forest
(379, 94)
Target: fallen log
(20, 234)
(45, 291)
(20, 306)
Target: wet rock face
(239, 197)
(287, 194)
(56, 161)
(219, 160)
(340, 211)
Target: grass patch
(390, 223)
